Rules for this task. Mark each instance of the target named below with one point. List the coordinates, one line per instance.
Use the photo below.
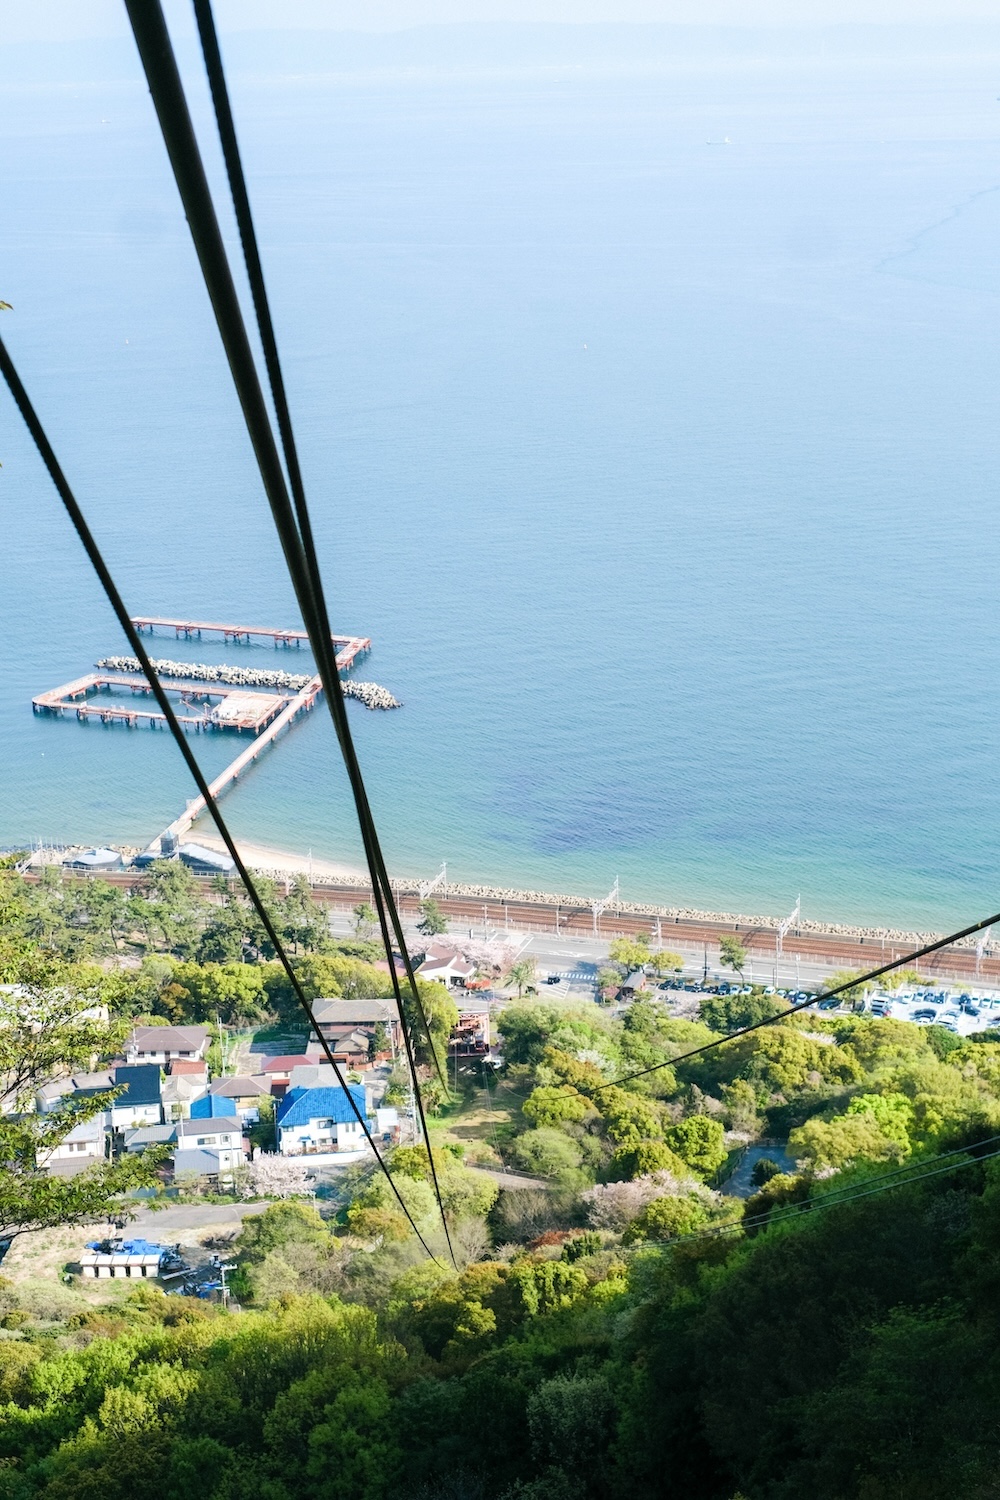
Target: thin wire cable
(381, 888)
(226, 125)
(47, 453)
(791, 1010)
(790, 1211)
(159, 63)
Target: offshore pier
(210, 697)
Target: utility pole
(704, 972)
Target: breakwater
(369, 693)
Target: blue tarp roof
(299, 1106)
(213, 1106)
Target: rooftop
(301, 1106)
(353, 1012)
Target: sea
(647, 388)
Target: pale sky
(64, 20)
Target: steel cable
(156, 53)
(381, 887)
(93, 552)
(791, 1010)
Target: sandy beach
(282, 863)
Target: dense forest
(622, 1328)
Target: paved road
(191, 1216)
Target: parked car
(926, 1015)
(833, 1003)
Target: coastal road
(579, 956)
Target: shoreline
(283, 863)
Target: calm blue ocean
(647, 388)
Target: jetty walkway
(350, 647)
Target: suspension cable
(381, 889)
(93, 552)
(166, 89)
(784, 1213)
(791, 1010)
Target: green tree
(521, 975)
(667, 1219)
(666, 962)
(732, 954)
(554, 1106)
(365, 919)
(432, 921)
(700, 1141)
(45, 1032)
(441, 1014)
(631, 953)
(726, 1013)
(608, 981)
(234, 992)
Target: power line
(791, 1010)
(834, 1200)
(156, 53)
(381, 887)
(92, 550)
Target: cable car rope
(92, 550)
(166, 89)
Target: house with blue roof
(213, 1107)
(309, 1121)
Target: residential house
(279, 1071)
(352, 1051)
(188, 1067)
(470, 1036)
(320, 1120)
(220, 1139)
(245, 1092)
(149, 1135)
(83, 1146)
(214, 1107)
(139, 1103)
(160, 1044)
(179, 1091)
(351, 1026)
(445, 965)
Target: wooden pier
(350, 647)
(235, 707)
(301, 703)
